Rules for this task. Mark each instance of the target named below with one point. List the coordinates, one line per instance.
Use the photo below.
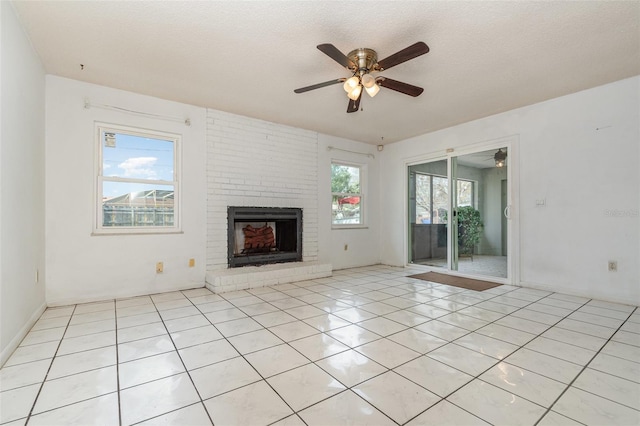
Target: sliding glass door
(458, 213)
(428, 207)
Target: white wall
(581, 154)
(363, 243)
(22, 130)
(83, 267)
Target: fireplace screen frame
(262, 215)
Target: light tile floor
(366, 346)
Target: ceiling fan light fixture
(368, 81)
(354, 94)
(373, 90)
(351, 84)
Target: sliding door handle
(507, 212)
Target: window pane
(137, 157)
(465, 193)
(137, 204)
(347, 195)
(345, 179)
(440, 199)
(346, 209)
(423, 198)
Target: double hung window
(137, 180)
(347, 195)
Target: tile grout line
(477, 377)
(150, 356)
(505, 359)
(182, 361)
(520, 347)
(347, 388)
(73, 374)
(294, 412)
(115, 309)
(33, 406)
(425, 354)
(584, 368)
(455, 368)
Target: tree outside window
(432, 197)
(346, 191)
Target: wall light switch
(159, 268)
(192, 263)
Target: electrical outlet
(346, 247)
(613, 266)
(192, 263)
(159, 267)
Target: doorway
(459, 213)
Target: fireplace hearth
(263, 235)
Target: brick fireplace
(257, 163)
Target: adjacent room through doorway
(473, 239)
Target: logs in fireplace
(258, 240)
(263, 235)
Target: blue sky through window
(136, 157)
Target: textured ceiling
(247, 57)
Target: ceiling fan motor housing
(364, 59)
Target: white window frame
(474, 190)
(362, 194)
(98, 228)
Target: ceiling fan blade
(331, 51)
(413, 51)
(354, 105)
(319, 85)
(399, 86)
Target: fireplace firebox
(263, 235)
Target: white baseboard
(15, 342)
(577, 293)
(66, 301)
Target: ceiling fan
(362, 63)
(500, 157)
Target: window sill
(339, 227)
(121, 232)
